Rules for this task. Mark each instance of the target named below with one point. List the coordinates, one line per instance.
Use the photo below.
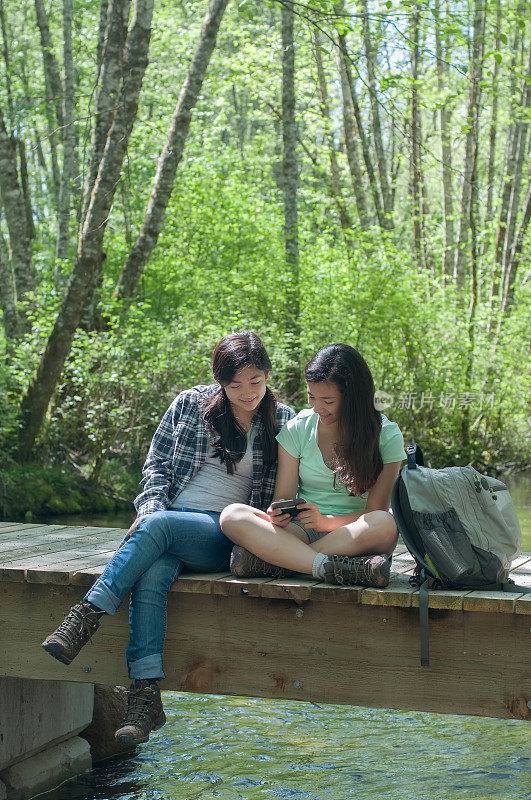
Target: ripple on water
(222, 748)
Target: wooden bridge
(295, 638)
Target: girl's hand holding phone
(310, 516)
(278, 517)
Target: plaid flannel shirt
(180, 447)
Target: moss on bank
(30, 490)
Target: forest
(315, 171)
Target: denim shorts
(312, 535)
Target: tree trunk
(493, 129)
(13, 200)
(446, 150)
(415, 153)
(5, 39)
(469, 372)
(51, 68)
(516, 182)
(7, 295)
(107, 94)
(25, 186)
(512, 267)
(370, 55)
(335, 179)
(351, 144)
(89, 253)
(63, 234)
(471, 142)
(171, 155)
(290, 182)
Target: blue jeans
(147, 563)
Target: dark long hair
(234, 352)
(358, 459)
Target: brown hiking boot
(78, 627)
(244, 564)
(358, 570)
(144, 713)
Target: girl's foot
(244, 564)
(144, 713)
(73, 633)
(358, 570)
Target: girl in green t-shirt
(342, 456)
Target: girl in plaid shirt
(214, 446)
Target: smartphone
(290, 507)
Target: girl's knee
(235, 514)
(383, 524)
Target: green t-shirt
(316, 481)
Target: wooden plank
(8, 527)
(523, 604)
(91, 539)
(198, 583)
(502, 602)
(259, 647)
(297, 588)
(398, 593)
(338, 594)
(61, 574)
(24, 538)
(443, 599)
(53, 538)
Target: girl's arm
(287, 481)
(379, 498)
(158, 467)
(286, 485)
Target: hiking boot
(77, 628)
(358, 570)
(244, 564)
(144, 713)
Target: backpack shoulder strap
(414, 455)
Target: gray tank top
(212, 489)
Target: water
(232, 748)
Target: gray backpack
(460, 527)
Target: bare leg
(374, 532)
(283, 547)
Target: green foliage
(219, 264)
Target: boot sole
(127, 738)
(55, 651)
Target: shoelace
(358, 570)
(84, 626)
(257, 564)
(138, 704)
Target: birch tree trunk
(335, 179)
(172, 153)
(7, 295)
(381, 161)
(290, 181)
(51, 67)
(89, 253)
(415, 154)
(385, 222)
(63, 234)
(107, 94)
(471, 142)
(516, 182)
(446, 150)
(508, 289)
(493, 129)
(351, 144)
(15, 212)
